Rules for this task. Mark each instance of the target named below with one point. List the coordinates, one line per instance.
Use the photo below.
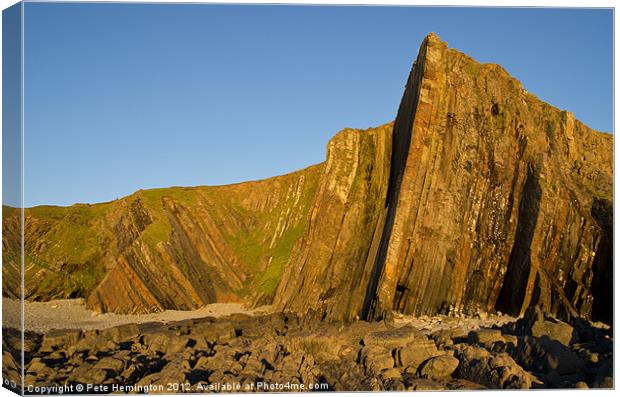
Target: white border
(462, 3)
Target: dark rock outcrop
(281, 349)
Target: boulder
(376, 358)
(478, 365)
(555, 330)
(544, 355)
(121, 333)
(166, 343)
(485, 336)
(536, 323)
(113, 365)
(442, 337)
(323, 345)
(35, 366)
(439, 367)
(394, 338)
(415, 353)
(87, 374)
(60, 339)
(418, 384)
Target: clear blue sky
(122, 97)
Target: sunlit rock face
(332, 264)
(478, 197)
(495, 201)
(172, 248)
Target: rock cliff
(175, 248)
(332, 263)
(496, 201)
(479, 197)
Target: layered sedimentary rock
(479, 197)
(175, 248)
(496, 201)
(331, 264)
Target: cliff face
(176, 248)
(331, 264)
(478, 197)
(496, 201)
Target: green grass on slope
(70, 281)
(66, 246)
(252, 244)
(159, 229)
(267, 282)
(73, 235)
(63, 250)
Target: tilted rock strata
(11, 248)
(479, 197)
(495, 202)
(176, 248)
(495, 205)
(331, 264)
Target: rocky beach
(285, 352)
(466, 245)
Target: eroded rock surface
(269, 351)
(496, 201)
(175, 248)
(478, 198)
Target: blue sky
(123, 97)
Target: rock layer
(331, 264)
(495, 197)
(479, 197)
(495, 202)
(176, 248)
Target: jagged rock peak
(495, 201)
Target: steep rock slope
(175, 248)
(496, 201)
(498, 197)
(331, 264)
(478, 197)
(11, 246)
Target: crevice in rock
(401, 140)
(603, 277)
(512, 293)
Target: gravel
(73, 314)
(432, 324)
